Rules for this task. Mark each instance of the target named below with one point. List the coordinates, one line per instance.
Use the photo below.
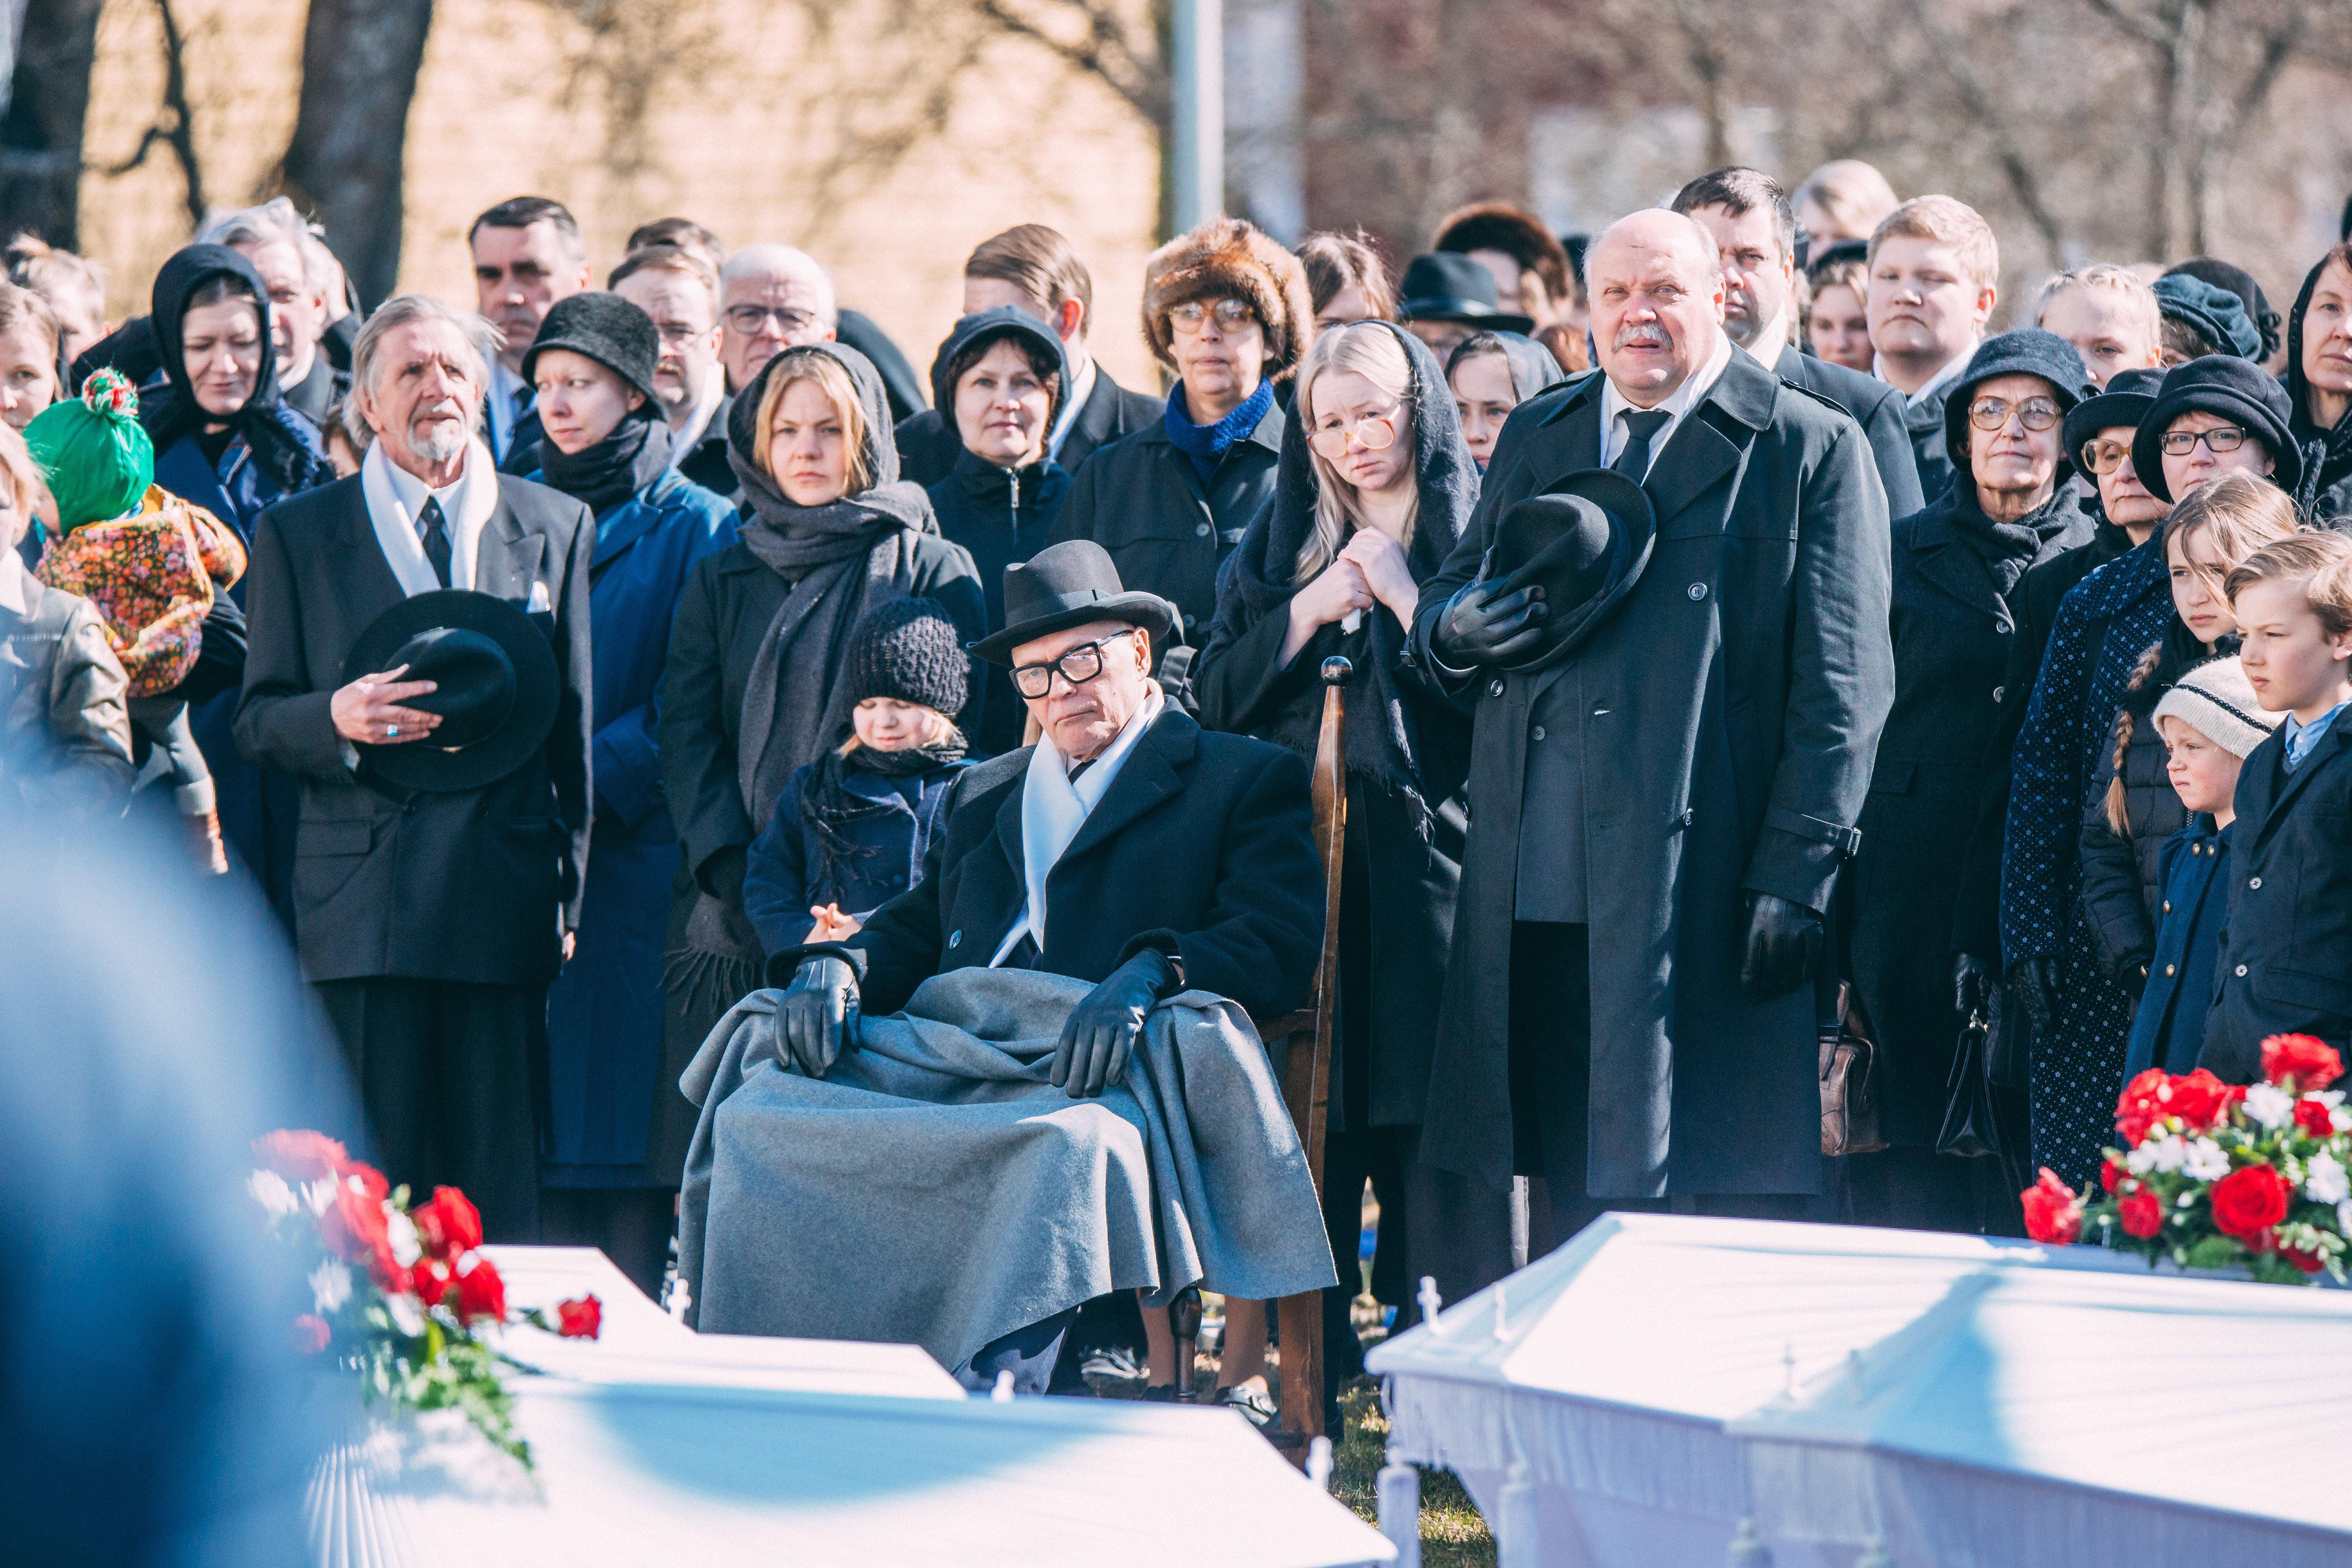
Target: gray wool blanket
(935, 1189)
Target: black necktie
(435, 538)
(1642, 427)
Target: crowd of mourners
(2081, 590)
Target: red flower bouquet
(2212, 1176)
(399, 1295)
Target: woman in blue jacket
(603, 1183)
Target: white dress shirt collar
(396, 499)
(1929, 388)
(1687, 397)
(1082, 386)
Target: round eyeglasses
(1373, 433)
(1078, 666)
(1990, 414)
(2105, 457)
(1190, 316)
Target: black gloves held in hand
(2032, 987)
(1972, 986)
(1100, 1034)
(1784, 946)
(1482, 627)
(817, 1013)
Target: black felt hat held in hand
(1584, 542)
(497, 687)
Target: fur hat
(1227, 257)
(2218, 701)
(906, 649)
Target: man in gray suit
(1755, 230)
(430, 915)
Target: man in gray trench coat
(1664, 786)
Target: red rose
(2248, 1202)
(2310, 1063)
(370, 1179)
(2142, 1214)
(2111, 1174)
(2141, 1104)
(431, 1278)
(353, 1228)
(2309, 1262)
(300, 1156)
(310, 1332)
(581, 1319)
(2198, 1099)
(449, 1226)
(2314, 1119)
(2053, 1213)
(480, 1292)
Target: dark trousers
(1551, 1095)
(1029, 1354)
(452, 1077)
(631, 1226)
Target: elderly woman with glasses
(2013, 505)
(1228, 310)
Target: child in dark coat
(851, 828)
(2210, 721)
(2285, 960)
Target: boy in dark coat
(852, 828)
(2285, 964)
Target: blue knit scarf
(1206, 444)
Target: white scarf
(395, 496)
(1053, 809)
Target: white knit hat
(2217, 700)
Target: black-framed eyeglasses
(1078, 666)
(749, 318)
(2105, 457)
(1991, 414)
(2219, 439)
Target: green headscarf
(93, 450)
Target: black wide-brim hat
(1073, 583)
(2229, 388)
(1447, 286)
(498, 688)
(1584, 539)
(2129, 394)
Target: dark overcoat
(2285, 960)
(1731, 707)
(1141, 498)
(1003, 517)
(467, 885)
(789, 871)
(605, 1013)
(1203, 845)
(2168, 1030)
(1877, 408)
(1951, 626)
(928, 442)
(1931, 449)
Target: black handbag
(1969, 1130)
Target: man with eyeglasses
(527, 254)
(2211, 415)
(679, 290)
(771, 298)
(1128, 847)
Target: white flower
(321, 1194)
(2339, 1119)
(401, 1231)
(330, 1285)
(2168, 1152)
(2325, 1181)
(2343, 1216)
(2206, 1160)
(2270, 1105)
(270, 1191)
(407, 1316)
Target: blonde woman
(755, 684)
(1376, 484)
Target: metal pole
(1198, 160)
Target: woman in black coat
(2319, 384)
(999, 381)
(1376, 485)
(755, 684)
(1956, 563)
(2133, 809)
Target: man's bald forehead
(1657, 228)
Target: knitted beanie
(93, 451)
(605, 328)
(2218, 701)
(906, 649)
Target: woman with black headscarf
(607, 445)
(754, 686)
(2319, 385)
(1375, 485)
(1490, 373)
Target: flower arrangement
(399, 1293)
(2212, 1174)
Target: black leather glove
(1481, 627)
(817, 1013)
(1784, 944)
(1972, 986)
(2032, 987)
(1100, 1034)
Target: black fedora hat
(1071, 585)
(1444, 286)
(498, 688)
(1584, 540)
